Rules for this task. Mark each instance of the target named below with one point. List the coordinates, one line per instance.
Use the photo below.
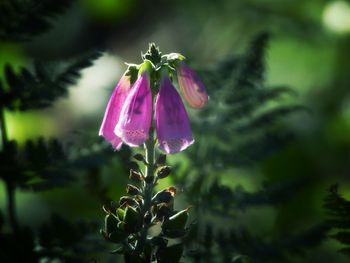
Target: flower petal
(191, 86)
(136, 115)
(171, 120)
(112, 112)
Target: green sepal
(171, 57)
(171, 254)
(132, 219)
(111, 223)
(148, 66)
(153, 54)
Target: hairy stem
(148, 189)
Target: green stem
(148, 189)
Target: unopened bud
(132, 190)
(127, 201)
(164, 196)
(163, 171)
(135, 176)
(140, 157)
(161, 159)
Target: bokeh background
(272, 141)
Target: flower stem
(148, 189)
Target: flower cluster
(129, 113)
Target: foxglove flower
(136, 115)
(191, 86)
(112, 112)
(171, 119)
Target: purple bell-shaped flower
(192, 88)
(136, 115)
(112, 112)
(171, 120)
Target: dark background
(272, 140)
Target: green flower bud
(135, 176)
(163, 171)
(132, 190)
(127, 201)
(171, 254)
(111, 223)
(164, 196)
(161, 160)
(140, 157)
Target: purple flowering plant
(146, 109)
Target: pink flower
(112, 112)
(191, 86)
(171, 119)
(136, 114)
